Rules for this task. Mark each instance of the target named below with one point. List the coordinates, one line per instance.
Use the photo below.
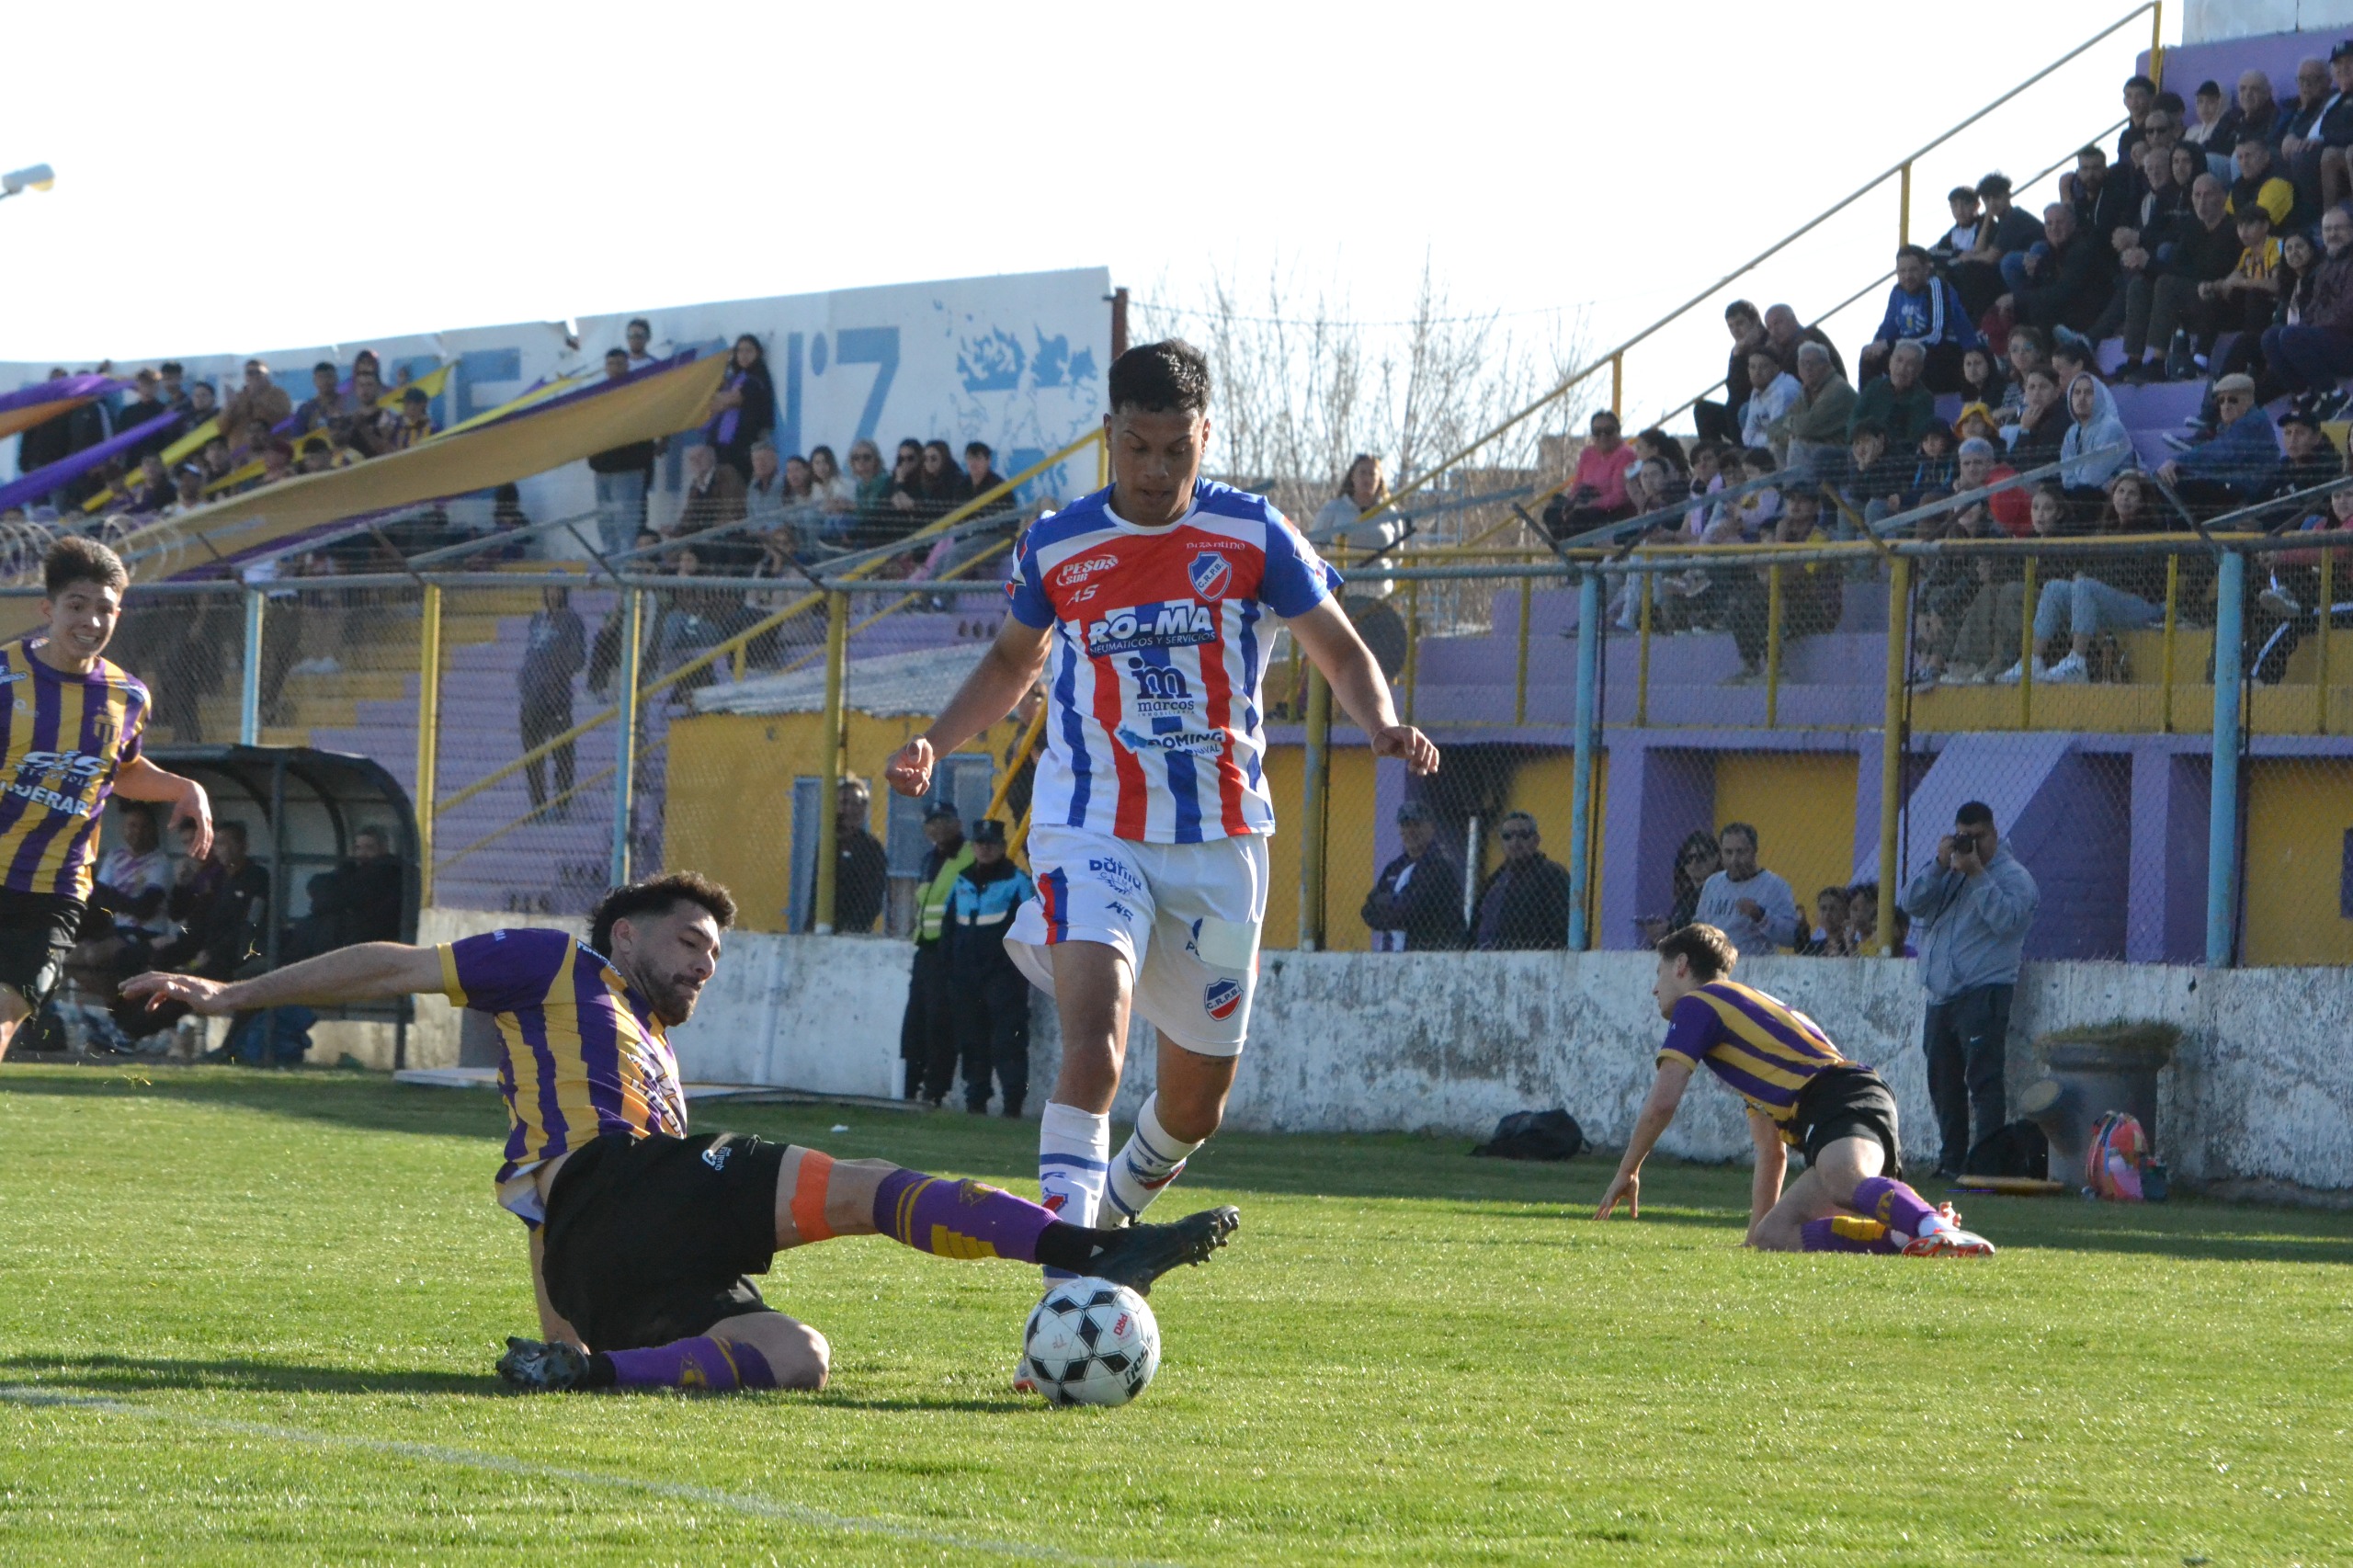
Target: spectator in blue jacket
(2239, 463)
(1927, 309)
(992, 997)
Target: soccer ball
(1091, 1341)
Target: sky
(336, 172)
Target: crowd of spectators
(2213, 245)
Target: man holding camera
(1970, 912)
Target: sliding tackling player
(1156, 601)
(641, 1236)
(74, 724)
(1802, 1094)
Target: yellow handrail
(1614, 355)
(767, 623)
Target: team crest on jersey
(1211, 575)
(1221, 997)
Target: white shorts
(1185, 916)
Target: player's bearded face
(670, 960)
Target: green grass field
(251, 1318)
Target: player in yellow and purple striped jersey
(1802, 1094)
(641, 1236)
(71, 730)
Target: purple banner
(60, 389)
(41, 481)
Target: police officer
(928, 1032)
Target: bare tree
(1302, 386)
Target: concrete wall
(2260, 1099)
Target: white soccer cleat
(1948, 1240)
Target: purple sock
(1841, 1232)
(699, 1363)
(1896, 1206)
(957, 1219)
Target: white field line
(468, 1459)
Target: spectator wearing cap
(1415, 904)
(927, 1043)
(1748, 903)
(1927, 310)
(1895, 399)
(2310, 355)
(1968, 212)
(1526, 902)
(2306, 460)
(992, 996)
(2239, 463)
(2208, 108)
(2004, 231)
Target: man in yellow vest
(927, 1033)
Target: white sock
(1073, 1149)
(1152, 1159)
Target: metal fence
(1605, 717)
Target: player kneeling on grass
(641, 1236)
(1802, 1094)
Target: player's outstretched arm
(1010, 668)
(370, 972)
(1772, 1165)
(1666, 1094)
(141, 779)
(1328, 636)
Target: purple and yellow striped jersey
(68, 738)
(583, 1054)
(1765, 1050)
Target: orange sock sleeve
(809, 1188)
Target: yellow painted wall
(728, 795)
(1348, 848)
(2297, 813)
(1803, 806)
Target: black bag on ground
(1535, 1135)
(2017, 1149)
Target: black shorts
(1846, 1102)
(37, 930)
(649, 1239)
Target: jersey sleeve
(499, 971)
(1027, 588)
(1693, 1032)
(132, 744)
(1297, 579)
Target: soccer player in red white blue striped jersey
(641, 1236)
(72, 725)
(1149, 608)
(1802, 1094)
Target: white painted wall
(2210, 21)
(2260, 1099)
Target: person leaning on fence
(861, 871)
(1695, 859)
(992, 996)
(1812, 594)
(927, 1029)
(1971, 906)
(1526, 902)
(555, 646)
(1415, 904)
(1744, 897)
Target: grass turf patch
(253, 1316)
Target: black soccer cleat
(531, 1367)
(1140, 1254)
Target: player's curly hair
(77, 560)
(658, 895)
(1170, 376)
(1708, 949)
